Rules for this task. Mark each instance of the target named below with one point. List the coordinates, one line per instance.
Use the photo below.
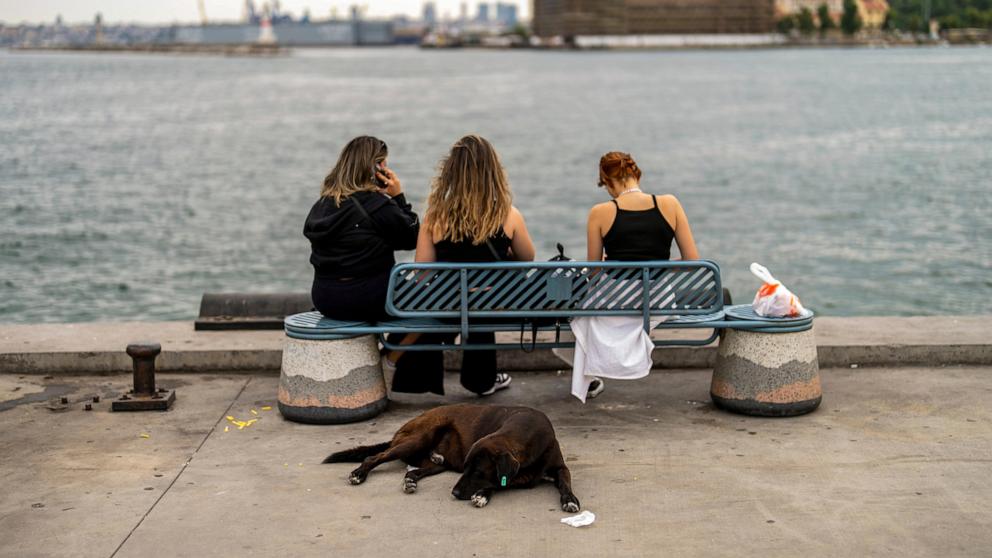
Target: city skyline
(14, 12)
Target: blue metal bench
(459, 298)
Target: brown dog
(493, 447)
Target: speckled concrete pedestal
(767, 374)
(331, 382)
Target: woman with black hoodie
(361, 218)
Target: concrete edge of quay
(98, 348)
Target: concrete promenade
(99, 347)
(894, 463)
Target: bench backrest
(558, 289)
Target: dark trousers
(362, 299)
(423, 371)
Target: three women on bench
(362, 217)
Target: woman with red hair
(632, 226)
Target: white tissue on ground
(581, 520)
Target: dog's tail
(356, 455)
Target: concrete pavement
(895, 462)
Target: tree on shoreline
(851, 22)
(823, 15)
(805, 21)
(905, 14)
(786, 24)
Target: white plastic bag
(773, 300)
(581, 520)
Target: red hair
(617, 166)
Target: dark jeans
(362, 299)
(423, 371)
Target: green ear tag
(502, 481)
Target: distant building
(569, 18)
(483, 15)
(98, 36)
(325, 33)
(430, 14)
(506, 14)
(872, 12)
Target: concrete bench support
(767, 374)
(331, 382)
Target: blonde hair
(355, 167)
(470, 197)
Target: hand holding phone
(386, 180)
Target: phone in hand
(376, 169)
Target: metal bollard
(145, 396)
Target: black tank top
(465, 251)
(639, 235)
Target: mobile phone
(378, 168)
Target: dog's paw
(437, 458)
(480, 500)
(570, 505)
(357, 477)
(409, 485)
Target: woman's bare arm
(594, 235)
(683, 233)
(520, 242)
(425, 244)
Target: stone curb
(269, 360)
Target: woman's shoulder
(668, 202)
(604, 208)
(514, 218)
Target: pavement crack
(182, 469)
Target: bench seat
(450, 298)
(316, 327)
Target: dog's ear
(506, 468)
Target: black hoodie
(346, 244)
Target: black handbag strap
(492, 250)
(533, 335)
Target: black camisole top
(465, 251)
(639, 235)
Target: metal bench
(488, 297)
(462, 298)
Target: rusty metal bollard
(145, 396)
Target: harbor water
(130, 183)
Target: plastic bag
(581, 520)
(773, 299)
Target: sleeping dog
(494, 447)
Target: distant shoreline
(250, 49)
(262, 50)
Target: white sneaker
(502, 382)
(388, 372)
(595, 388)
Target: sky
(168, 11)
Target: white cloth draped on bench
(615, 347)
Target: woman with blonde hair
(470, 218)
(361, 217)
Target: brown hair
(355, 167)
(470, 197)
(617, 166)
